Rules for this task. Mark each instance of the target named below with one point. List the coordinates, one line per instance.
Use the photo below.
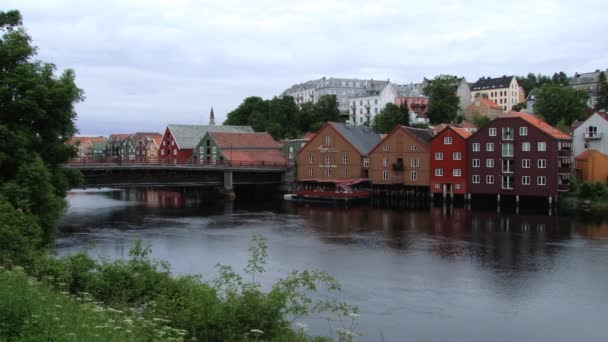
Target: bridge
(223, 175)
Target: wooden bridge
(221, 174)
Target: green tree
(390, 117)
(479, 120)
(241, 115)
(36, 121)
(327, 108)
(443, 102)
(602, 93)
(555, 102)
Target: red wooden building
(448, 174)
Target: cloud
(144, 64)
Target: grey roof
(422, 134)
(532, 95)
(332, 82)
(492, 83)
(188, 136)
(586, 77)
(362, 138)
(410, 90)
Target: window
(437, 186)
(438, 172)
(366, 162)
(174, 151)
(507, 133)
(447, 140)
(311, 171)
(311, 159)
(328, 172)
(490, 163)
(542, 146)
(507, 182)
(214, 150)
(507, 150)
(457, 156)
(375, 101)
(591, 132)
(525, 163)
(523, 131)
(476, 147)
(385, 174)
(489, 147)
(438, 155)
(492, 132)
(541, 180)
(456, 172)
(345, 158)
(413, 148)
(476, 179)
(457, 186)
(327, 140)
(415, 162)
(525, 180)
(414, 175)
(508, 165)
(346, 171)
(172, 142)
(327, 159)
(385, 148)
(541, 163)
(525, 146)
(476, 163)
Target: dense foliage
(390, 117)
(443, 102)
(480, 121)
(557, 103)
(282, 118)
(602, 93)
(532, 81)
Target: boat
(337, 191)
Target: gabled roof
(119, 136)
(538, 123)
(362, 138)
(461, 131)
(261, 155)
(420, 134)
(492, 83)
(487, 102)
(586, 77)
(188, 136)
(589, 153)
(141, 136)
(254, 140)
(83, 141)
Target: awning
(336, 180)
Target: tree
(36, 121)
(480, 121)
(241, 115)
(532, 81)
(560, 78)
(443, 102)
(390, 117)
(518, 107)
(555, 102)
(602, 93)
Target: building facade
(146, 147)
(85, 146)
(449, 164)
(249, 148)
(591, 134)
(402, 158)
(462, 90)
(365, 105)
(504, 91)
(114, 146)
(417, 103)
(592, 166)
(482, 106)
(342, 88)
(518, 154)
(337, 151)
(589, 82)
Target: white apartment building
(502, 90)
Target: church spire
(211, 118)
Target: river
(433, 274)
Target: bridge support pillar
(228, 186)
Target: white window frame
(413, 148)
(385, 161)
(456, 173)
(327, 140)
(438, 172)
(328, 159)
(385, 174)
(366, 162)
(523, 131)
(525, 146)
(525, 180)
(476, 179)
(541, 146)
(456, 155)
(413, 176)
(492, 131)
(476, 147)
(311, 171)
(311, 159)
(385, 148)
(489, 179)
(489, 147)
(476, 163)
(438, 155)
(345, 159)
(415, 162)
(490, 163)
(541, 163)
(541, 180)
(525, 163)
(447, 140)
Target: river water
(433, 274)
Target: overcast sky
(146, 63)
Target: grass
(32, 311)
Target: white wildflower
(257, 332)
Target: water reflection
(409, 266)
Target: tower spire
(211, 118)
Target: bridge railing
(178, 161)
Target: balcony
(593, 136)
(564, 152)
(563, 187)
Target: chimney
(211, 118)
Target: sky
(146, 63)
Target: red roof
(244, 140)
(538, 123)
(583, 155)
(255, 155)
(119, 136)
(461, 131)
(489, 103)
(86, 141)
(309, 136)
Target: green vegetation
(586, 196)
(480, 121)
(390, 117)
(43, 298)
(443, 102)
(532, 81)
(556, 102)
(282, 118)
(602, 93)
